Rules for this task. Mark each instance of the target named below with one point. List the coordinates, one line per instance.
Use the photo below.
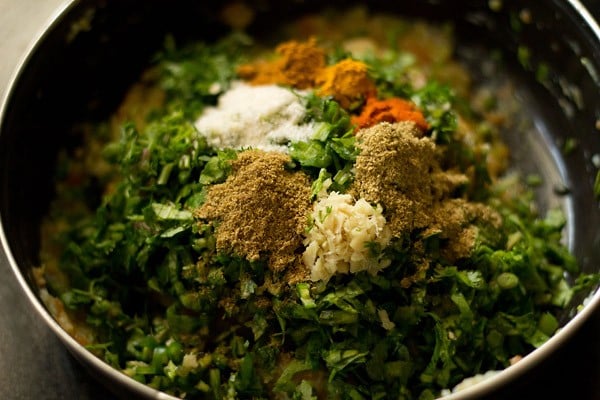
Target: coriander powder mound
(400, 169)
(394, 168)
(260, 211)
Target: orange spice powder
(302, 65)
(297, 65)
(389, 110)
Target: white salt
(267, 117)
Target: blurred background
(35, 365)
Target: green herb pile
(170, 311)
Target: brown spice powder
(400, 169)
(297, 65)
(394, 168)
(454, 219)
(261, 210)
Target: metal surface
(34, 364)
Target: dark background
(35, 365)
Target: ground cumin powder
(399, 168)
(260, 210)
(394, 168)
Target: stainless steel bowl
(81, 65)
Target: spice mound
(302, 66)
(389, 110)
(400, 169)
(298, 65)
(396, 167)
(260, 210)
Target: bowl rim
(76, 349)
(501, 378)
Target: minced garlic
(342, 236)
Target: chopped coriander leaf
(437, 101)
(332, 149)
(193, 76)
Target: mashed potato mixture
(326, 217)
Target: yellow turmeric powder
(298, 65)
(389, 110)
(347, 81)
